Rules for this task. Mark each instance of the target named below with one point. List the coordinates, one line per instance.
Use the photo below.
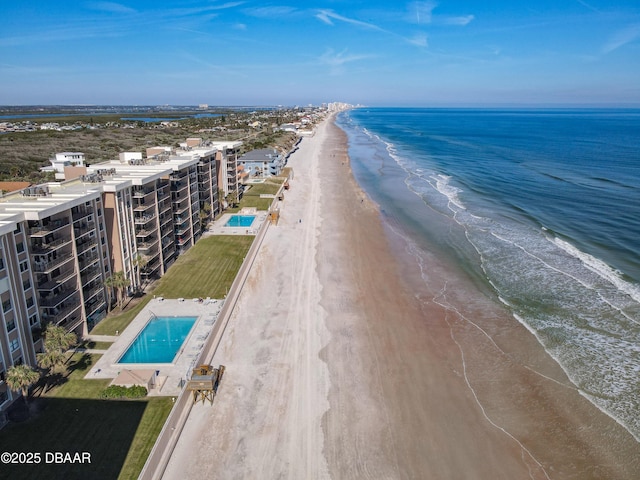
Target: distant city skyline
(425, 53)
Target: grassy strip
(207, 270)
(248, 201)
(69, 418)
(91, 345)
(117, 323)
(266, 188)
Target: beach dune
(337, 368)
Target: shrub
(118, 392)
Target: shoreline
(567, 435)
(338, 368)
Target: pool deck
(171, 375)
(218, 227)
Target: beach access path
(335, 369)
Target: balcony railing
(89, 275)
(59, 279)
(81, 213)
(90, 292)
(48, 266)
(54, 301)
(88, 260)
(43, 230)
(67, 320)
(179, 209)
(142, 219)
(142, 193)
(143, 233)
(86, 244)
(143, 207)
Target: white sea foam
(443, 185)
(583, 312)
(601, 268)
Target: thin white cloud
(460, 21)
(327, 16)
(336, 61)
(590, 7)
(420, 12)
(111, 7)
(198, 10)
(419, 39)
(621, 38)
(271, 11)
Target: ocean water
(539, 208)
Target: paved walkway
(101, 338)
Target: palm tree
(21, 377)
(51, 359)
(56, 342)
(58, 339)
(121, 282)
(140, 262)
(205, 215)
(109, 282)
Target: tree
(109, 282)
(56, 342)
(120, 282)
(51, 359)
(21, 377)
(140, 262)
(205, 215)
(58, 339)
(220, 200)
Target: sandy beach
(336, 367)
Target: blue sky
(423, 53)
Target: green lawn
(91, 345)
(117, 323)
(251, 196)
(70, 418)
(251, 201)
(207, 270)
(266, 188)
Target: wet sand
(342, 363)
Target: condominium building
(54, 262)
(59, 242)
(230, 175)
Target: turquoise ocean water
(539, 208)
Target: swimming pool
(240, 221)
(159, 340)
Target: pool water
(159, 340)
(240, 221)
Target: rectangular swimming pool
(240, 221)
(159, 341)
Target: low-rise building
(265, 162)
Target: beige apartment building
(60, 241)
(230, 174)
(54, 258)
